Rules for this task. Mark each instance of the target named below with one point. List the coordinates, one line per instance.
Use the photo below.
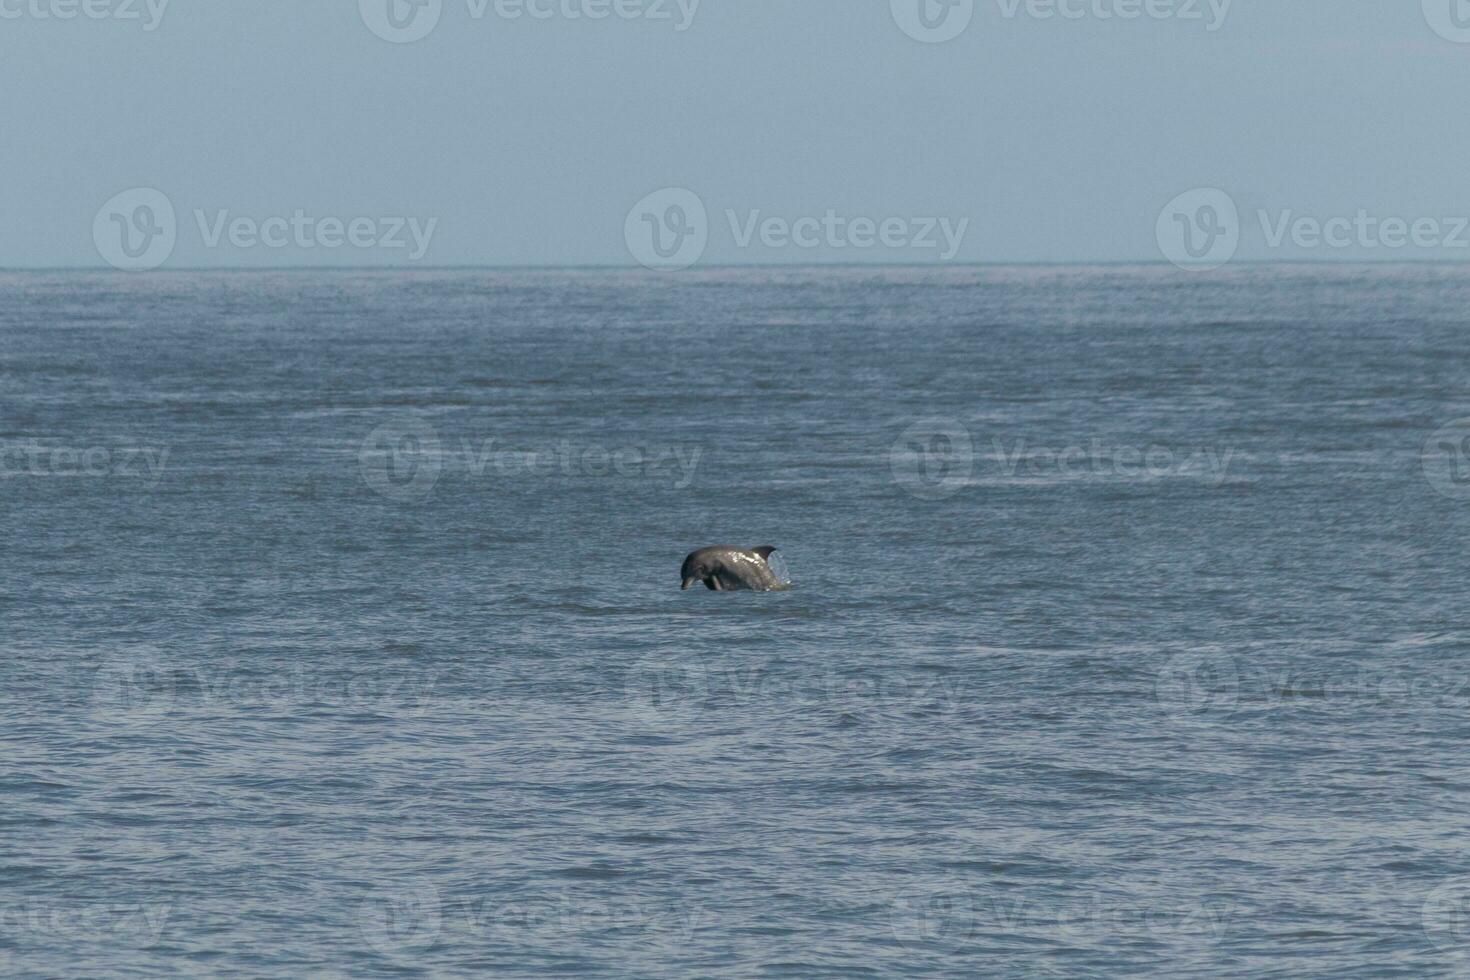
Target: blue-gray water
(343, 633)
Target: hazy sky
(505, 140)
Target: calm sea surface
(342, 632)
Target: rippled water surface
(342, 631)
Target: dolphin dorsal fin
(764, 551)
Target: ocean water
(342, 630)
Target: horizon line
(714, 266)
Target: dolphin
(725, 568)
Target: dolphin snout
(688, 583)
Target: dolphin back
(731, 569)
